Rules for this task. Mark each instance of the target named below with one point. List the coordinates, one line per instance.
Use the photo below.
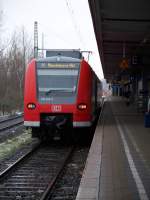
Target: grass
(10, 146)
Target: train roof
(55, 59)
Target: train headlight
(31, 106)
(82, 106)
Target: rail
(36, 173)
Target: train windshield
(57, 85)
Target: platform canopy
(122, 29)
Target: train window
(57, 83)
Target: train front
(51, 86)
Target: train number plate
(56, 108)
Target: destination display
(58, 65)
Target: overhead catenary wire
(72, 15)
(56, 34)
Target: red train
(60, 92)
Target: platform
(118, 164)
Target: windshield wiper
(49, 91)
(59, 90)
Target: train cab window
(55, 84)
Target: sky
(66, 24)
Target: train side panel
(31, 117)
(82, 118)
(89, 94)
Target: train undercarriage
(58, 126)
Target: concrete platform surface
(118, 164)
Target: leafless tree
(13, 61)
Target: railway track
(10, 123)
(9, 118)
(67, 186)
(33, 176)
(10, 128)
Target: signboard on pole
(124, 64)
